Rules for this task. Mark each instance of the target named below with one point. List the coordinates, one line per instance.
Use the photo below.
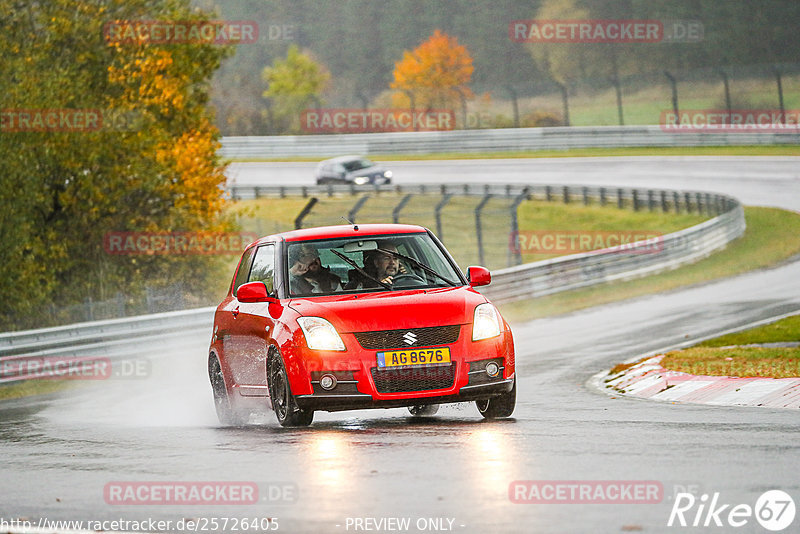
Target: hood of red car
(391, 310)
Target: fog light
(492, 369)
(328, 382)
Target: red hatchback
(352, 317)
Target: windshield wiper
(360, 270)
(418, 264)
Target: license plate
(424, 356)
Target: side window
(244, 269)
(264, 267)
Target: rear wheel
(226, 414)
(286, 409)
(424, 411)
(501, 406)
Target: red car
(357, 316)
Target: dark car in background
(356, 170)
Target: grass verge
(761, 362)
(724, 355)
(28, 388)
(771, 237)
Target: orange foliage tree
(436, 73)
(151, 167)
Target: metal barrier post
(351, 215)
(479, 233)
(438, 213)
(400, 206)
(515, 226)
(298, 221)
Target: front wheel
(286, 409)
(501, 406)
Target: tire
(226, 414)
(426, 410)
(498, 407)
(280, 393)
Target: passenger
(306, 273)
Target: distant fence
(120, 339)
(637, 199)
(496, 140)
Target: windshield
(357, 165)
(366, 264)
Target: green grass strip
(736, 361)
(787, 329)
(772, 236)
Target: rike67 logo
(774, 510)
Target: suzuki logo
(410, 338)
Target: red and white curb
(648, 380)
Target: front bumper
(361, 401)
(361, 383)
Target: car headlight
(387, 174)
(320, 334)
(361, 180)
(486, 323)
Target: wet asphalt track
(58, 454)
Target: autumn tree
(294, 84)
(62, 191)
(436, 73)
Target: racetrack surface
(59, 453)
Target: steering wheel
(408, 279)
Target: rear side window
(244, 269)
(263, 269)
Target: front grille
(421, 337)
(414, 379)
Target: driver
(380, 265)
(306, 273)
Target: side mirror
(477, 276)
(253, 292)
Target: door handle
(235, 312)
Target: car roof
(340, 159)
(343, 230)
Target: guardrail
(490, 140)
(119, 339)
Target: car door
(252, 325)
(225, 326)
